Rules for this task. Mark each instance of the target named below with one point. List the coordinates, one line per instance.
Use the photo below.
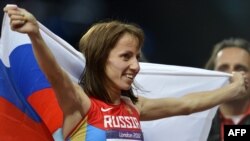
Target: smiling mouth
(130, 76)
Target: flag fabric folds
(24, 87)
(29, 109)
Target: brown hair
(232, 42)
(96, 45)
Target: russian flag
(29, 109)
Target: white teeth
(129, 76)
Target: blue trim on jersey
(95, 134)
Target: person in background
(230, 55)
(103, 105)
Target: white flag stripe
(67, 56)
(159, 81)
(178, 70)
(7, 40)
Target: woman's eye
(125, 56)
(138, 57)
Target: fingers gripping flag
(29, 109)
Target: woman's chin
(126, 88)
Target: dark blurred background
(178, 32)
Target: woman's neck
(115, 96)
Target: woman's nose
(135, 65)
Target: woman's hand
(242, 85)
(21, 20)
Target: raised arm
(165, 107)
(71, 98)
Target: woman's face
(122, 64)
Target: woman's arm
(165, 107)
(71, 98)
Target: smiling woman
(103, 105)
(123, 62)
